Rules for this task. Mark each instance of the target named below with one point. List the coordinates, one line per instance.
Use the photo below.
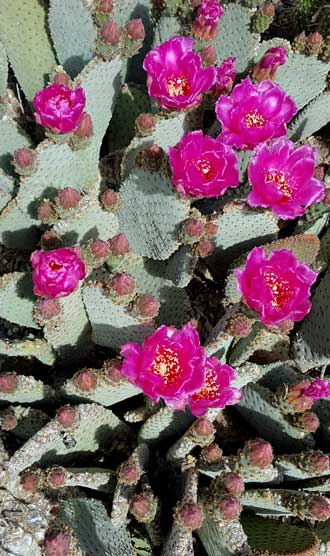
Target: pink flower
(282, 178)
(206, 23)
(278, 288)
(216, 390)
(267, 66)
(226, 75)
(318, 389)
(202, 166)
(169, 365)
(176, 78)
(59, 108)
(56, 273)
(254, 113)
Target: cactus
(93, 459)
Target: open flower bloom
(216, 390)
(282, 178)
(56, 273)
(169, 365)
(318, 389)
(202, 166)
(267, 66)
(278, 287)
(206, 23)
(176, 78)
(254, 113)
(302, 396)
(226, 75)
(59, 108)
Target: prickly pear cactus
(164, 278)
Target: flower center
(254, 119)
(166, 364)
(210, 388)
(280, 288)
(55, 266)
(283, 182)
(205, 168)
(179, 85)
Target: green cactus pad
(167, 27)
(234, 37)
(227, 539)
(96, 427)
(180, 267)
(302, 77)
(3, 71)
(29, 347)
(312, 118)
(260, 339)
(29, 390)
(73, 33)
(93, 529)
(112, 324)
(7, 188)
(17, 299)
(12, 137)
(29, 421)
(270, 538)
(151, 213)
(17, 230)
(165, 424)
(101, 83)
(24, 35)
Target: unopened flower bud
(46, 212)
(209, 55)
(85, 129)
(239, 326)
(308, 421)
(268, 9)
(66, 416)
(100, 249)
(192, 230)
(226, 507)
(319, 508)
(62, 78)
(314, 42)
(202, 431)
(296, 398)
(8, 383)
(122, 284)
(30, 482)
(190, 516)
(135, 30)
(68, 198)
(119, 245)
(195, 3)
(210, 229)
(46, 309)
(85, 380)
(58, 544)
(105, 6)
(144, 507)
(259, 453)
(319, 172)
(146, 306)
(211, 454)
(110, 200)
(129, 473)
(315, 462)
(24, 161)
(233, 483)
(111, 33)
(151, 158)
(204, 248)
(56, 477)
(145, 124)
(112, 370)
(8, 420)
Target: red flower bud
(100, 249)
(85, 129)
(105, 6)
(204, 248)
(63, 79)
(129, 473)
(56, 477)
(46, 309)
(85, 380)
(30, 482)
(268, 9)
(209, 55)
(119, 245)
(112, 370)
(111, 33)
(146, 306)
(233, 483)
(135, 30)
(69, 198)
(46, 212)
(319, 508)
(144, 507)
(309, 421)
(66, 416)
(110, 200)
(122, 284)
(190, 516)
(8, 383)
(227, 508)
(259, 452)
(145, 124)
(211, 454)
(24, 159)
(58, 544)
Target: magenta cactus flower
(59, 108)
(271, 60)
(318, 389)
(176, 78)
(202, 166)
(282, 179)
(57, 273)
(278, 287)
(254, 113)
(216, 390)
(206, 23)
(169, 365)
(226, 75)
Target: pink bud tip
(212, 454)
(192, 228)
(203, 428)
(315, 39)
(56, 477)
(319, 508)
(112, 370)
(63, 79)
(46, 211)
(309, 421)
(146, 306)
(105, 6)
(317, 462)
(122, 284)
(229, 507)
(58, 544)
(66, 416)
(111, 33)
(119, 245)
(8, 420)
(69, 198)
(49, 241)
(259, 452)
(47, 308)
(24, 158)
(204, 248)
(145, 123)
(135, 30)
(319, 172)
(190, 516)
(30, 482)
(209, 55)
(85, 129)
(268, 9)
(211, 229)
(8, 383)
(144, 507)
(85, 380)
(233, 483)
(129, 474)
(110, 200)
(239, 326)
(297, 399)
(100, 249)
